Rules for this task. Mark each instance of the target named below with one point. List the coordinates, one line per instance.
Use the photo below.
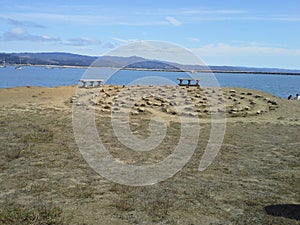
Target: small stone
(188, 108)
(192, 114)
(158, 98)
(134, 113)
(272, 102)
(140, 109)
(166, 110)
(172, 103)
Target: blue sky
(232, 32)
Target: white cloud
(255, 55)
(83, 41)
(109, 45)
(156, 50)
(193, 39)
(17, 31)
(189, 12)
(123, 41)
(173, 21)
(21, 34)
(18, 23)
(222, 49)
(122, 19)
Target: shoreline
(116, 85)
(160, 70)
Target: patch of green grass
(40, 214)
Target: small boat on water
(3, 65)
(19, 67)
(49, 67)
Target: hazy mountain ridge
(133, 62)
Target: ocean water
(278, 85)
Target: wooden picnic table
(91, 82)
(190, 82)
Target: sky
(253, 33)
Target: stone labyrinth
(176, 101)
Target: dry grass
(37, 214)
(47, 181)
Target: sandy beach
(253, 180)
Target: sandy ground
(254, 179)
(30, 96)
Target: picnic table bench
(190, 82)
(90, 82)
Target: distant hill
(53, 58)
(133, 62)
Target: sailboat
(19, 67)
(3, 65)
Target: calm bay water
(279, 85)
